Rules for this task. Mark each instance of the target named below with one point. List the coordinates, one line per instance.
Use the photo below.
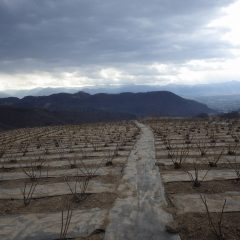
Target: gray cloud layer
(52, 34)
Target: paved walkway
(138, 212)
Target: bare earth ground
(41, 219)
(221, 183)
(54, 204)
(195, 226)
(140, 199)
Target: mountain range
(84, 107)
(223, 97)
(190, 91)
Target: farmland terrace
(154, 179)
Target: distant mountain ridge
(160, 103)
(4, 95)
(81, 107)
(191, 91)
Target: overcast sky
(52, 43)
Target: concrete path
(139, 213)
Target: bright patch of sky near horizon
(78, 43)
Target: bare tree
(213, 160)
(78, 188)
(216, 228)
(178, 156)
(236, 167)
(89, 171)
(95, 145)
(24, 147)
(232, 148)
(188, 137)
(34, 169)
(202, 147)
(111, 154)
(73, 161)
(65, 221)
(194, 175)
(28, 191)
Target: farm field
(199, 162)
(59, 182)
(159, 179)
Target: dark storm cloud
(41, 34)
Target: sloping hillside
(15, 117)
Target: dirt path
(139, 213)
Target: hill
(159, 103)
(16, 117)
